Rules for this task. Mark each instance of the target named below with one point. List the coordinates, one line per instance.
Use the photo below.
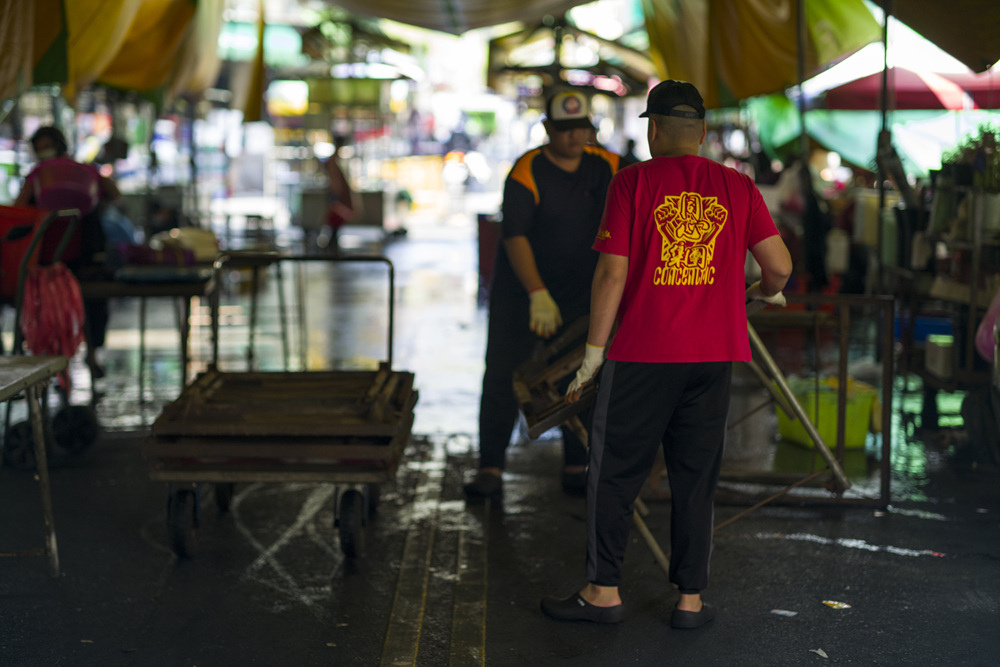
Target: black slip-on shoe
(575, 608)
(689, 620)
(484, 485)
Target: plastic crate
(861, 400)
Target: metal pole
(886, 13)
(801, 56)
(42, 473)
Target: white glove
(544, 313)
(592, 360)
(756, 299)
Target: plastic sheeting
(140, 45)
(146, 55)
(94, 32)
(736, 49)
(197, 65)
(919, 136)
(969, 30)
(17, 38)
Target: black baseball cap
(669, 94)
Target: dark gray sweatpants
(684, 406)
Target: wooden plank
(314, 449)
(331, 428)
(376, 386)
(380, 405)
(228, 473)
(286, 404)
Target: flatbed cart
(348, 428)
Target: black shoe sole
(575, 608)
(690, 620)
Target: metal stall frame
(841, 319)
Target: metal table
(29, 374)
(183, 291)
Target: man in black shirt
(552, 205)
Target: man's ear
(704, 132)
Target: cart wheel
(374, 496)
(223, 496)
(182, 522)
(351, 523)
(19, 446)
(75, 429)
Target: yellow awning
(734, 49)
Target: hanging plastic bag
(52, 318)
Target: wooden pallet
(538, 380)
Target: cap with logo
(568, 110)
(667, 95)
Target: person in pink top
(673, 241)
(59, 182)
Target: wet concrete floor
(915, 580)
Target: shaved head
(674, 135)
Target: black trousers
(509, 343)
(638, 407)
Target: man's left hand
(592, 360)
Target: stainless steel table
(29, 374)
(183, 291)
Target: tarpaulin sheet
(969, 30)
(735, 49)
(139, 45)
(146, 55)
(198, 62)
(17, 40)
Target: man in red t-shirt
(673, 244)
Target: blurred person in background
(341, 200)
(59, 182)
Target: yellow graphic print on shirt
(689, 225)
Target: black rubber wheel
(374, 497)
(224, 496)
(182, 522)
(75, 429)
(351, 523)
(19, 446)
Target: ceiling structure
(969, 30)
(458, 16)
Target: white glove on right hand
(756, 299)
(544, 313)
(592, 360)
